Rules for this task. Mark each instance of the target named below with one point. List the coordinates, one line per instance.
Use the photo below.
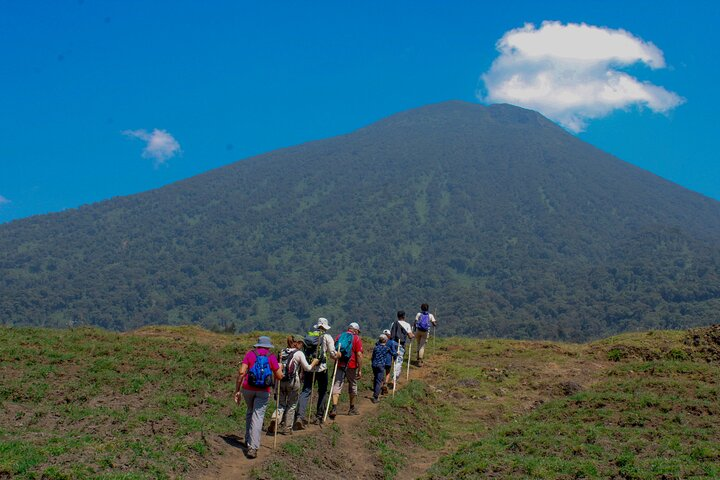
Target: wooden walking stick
(277, 407)
(312, 386)
(407, 374)
(332, 386)
(394, 377)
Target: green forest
(504, 223)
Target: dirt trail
(540, 381)
(233, 464)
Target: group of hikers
(304, 363)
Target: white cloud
(570, 73)
(3, 201)
(161, 146)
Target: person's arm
(330, 347)
(358, 361)
(432, 319)
(278, 369)
(409, 332)
(238, 383)
(302, 360)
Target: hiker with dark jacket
(400, 332)
(293, 363)
(424, 320)
(349, 366)
(393, 346)
(258, 371)
(318, 344)
(381, 361)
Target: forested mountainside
(501, 220)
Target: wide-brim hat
(322, 323)
(264, 342)
(298, 338)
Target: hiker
(293, 363)
(349, 366)
(393, 346)
(258, 371)
(424, 320)
(400, 332)
(381, 361)
(318, 344)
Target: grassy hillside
(156, 403)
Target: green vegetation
(508, 224)
(156, 403)
(647, 418)
(86, 403)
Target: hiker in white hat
(318, 344)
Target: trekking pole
(434, 330)
(332, 386)
(407, 374)
(394, 377)
(277, 409)
(312, 385)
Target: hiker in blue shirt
(381, 362)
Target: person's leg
(292, 401)
(322, 387)
(337, 388)
(304, 397)
(422, 340)
(282, 410)
(378, 376)
(249, 398)
(259, 402)
(399, 362)
(351, 375)
(385, 380)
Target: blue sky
(106, 98)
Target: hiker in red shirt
(349, 346)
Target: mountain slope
(495, 215)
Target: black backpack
(313, 346)
(398, 333)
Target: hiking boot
(384, 390)
(299, 424)
(419, 363)
(251, 453)
(333, 412)
(375, 400)
(353, 410)
(317, 421)
(287, 431)
(271, 427)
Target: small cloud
(570, 73)
(4, 201)
(161, 146)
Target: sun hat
(354, 326)
(264, 342)
(298, 338)
(322, 323)
(383, 337)
(386, 332)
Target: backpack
(260, 374)
(423, 323)
(380, 354)
(312, 346)
(398, 333)
(344, 346)
(290, 372)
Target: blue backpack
(260, 374)
(344, 346)
(423, 323)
